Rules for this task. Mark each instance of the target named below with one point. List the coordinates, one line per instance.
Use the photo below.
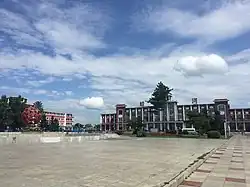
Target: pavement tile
(209, 162)
(191, 183)
(237, 161)
(234, 184)
(236, 169)
(202, 171)
(219, 153)
(236, 180)
(215, 157)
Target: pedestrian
(14, 139)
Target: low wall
(7, 138)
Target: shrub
(213, 134)
(173, 132)
(185, 132)
(128, 133)
(189, 136)
(140, 134)
(119, 132)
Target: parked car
(189, 131)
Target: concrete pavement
(228, 166)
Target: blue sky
(83, 57)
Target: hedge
(213, 134)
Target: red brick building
(174, 115)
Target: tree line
(11, 109)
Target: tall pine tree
(161, 95)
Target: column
(183, 113)
(243, 116)
(136, 112)
(235, 117)
(167, 112)
(105, 121)
(184, 125)
(161, 119)
(153, 120)
(130, 114)
(161, 115)
(142, 114)
(153, 117)
(175, 112)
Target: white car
(189, 130)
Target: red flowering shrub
(31, 115)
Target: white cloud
(37, 83)
(229, 20)
(68, 93)
(39, 92)
(199, 66)
(66, 30)
(92, 102)
(11, 90)
(56, 33)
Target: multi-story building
(65, 120)
(174, 116)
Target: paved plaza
(120, 163)
(229, 166)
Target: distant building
(65, 120)
(174, 115)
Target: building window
(179, 108)
(195, 107)
(211, 107)
(232, 113)
(239, 112)
(120, 112)
(246, 112)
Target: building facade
(65, 120)
(173, 116)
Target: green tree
(97, 127)
(39, 106)
(160, 96)
(217, 122)
(5, 113)
(200, 121)
(44, 123)
(78, 127)
(136, 125)
(16, 106)
(54, 125)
